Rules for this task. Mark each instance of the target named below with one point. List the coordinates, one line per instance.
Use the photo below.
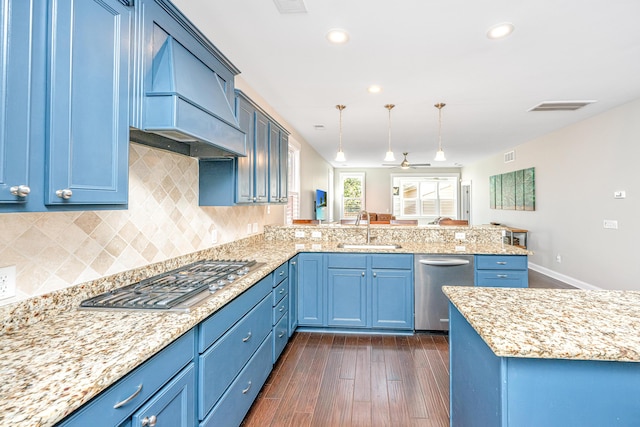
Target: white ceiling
(423, 52)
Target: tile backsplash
(55, 250)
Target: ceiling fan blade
(421, 164)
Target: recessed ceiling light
(337, 36)
(374, 89)
(501, 30)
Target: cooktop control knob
(232, 277)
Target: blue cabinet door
(278, 164)
(88, 100)
(311, 289)
(347, 297)
(20, 78)
(392, 299)
(246, 115)
(173, 405)
(261, 158)
(293, 294)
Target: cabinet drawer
(147, 378)
(395, 261)
(280, 291)
(347, 260)
(280, 336)
(173, 405)
(220, 364)
(501, 262)
(237, 400)
(502, 278)
(280, 273)
(280, 309)
(220, 322)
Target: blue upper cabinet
(88, 98)
(278, 163)
(15, 102)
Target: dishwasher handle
(444, 261)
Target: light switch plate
(610, 223)
(316, 234)
(299, 233)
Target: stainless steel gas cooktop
(176, 290)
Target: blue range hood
(187, 106)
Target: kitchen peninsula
(54, 358)
(533, 357)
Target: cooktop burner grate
(176, 290)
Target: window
(424, 197)
(353, 201)
(293, 204)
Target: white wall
(577, 170)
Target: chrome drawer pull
(502, 276)
(281, 309)
(245, 339)
(246, 390)
(128, 399)
(282, 291)
(281, 334)
(282, 273)
(501, 262)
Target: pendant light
(440, 154)
(389, 157)
(340, 156)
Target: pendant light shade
(389, 157)
(440, 153)
(340, 155)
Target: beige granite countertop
(51, 367)
(553, 323)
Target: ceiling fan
(405, 163)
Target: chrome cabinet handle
(281, 291)
(363, 274)
(281, 309)
(246, 390)
(375, 274)
(245, 339)
(64, 194)
(282, 273)
(501, 262)
(20, 190)
(502, 276)
(149, 421)
(128, 399)
(281, 334)
(293, 263)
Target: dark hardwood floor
(342, 380)
(357, 380)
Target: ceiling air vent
(319, 127)
(560, 105)
(290, 6)
(509, 157)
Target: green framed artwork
(513, 190)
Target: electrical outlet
(299, 233)
(249, 228)
(558, 258)
(316, 234)
(460, 236)
(7, 282)
(214, 236)
(610, 223)
(254, 229)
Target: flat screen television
(321, 205)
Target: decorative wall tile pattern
(55, 250)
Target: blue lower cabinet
(173, 405)
(238, 398)
(487, 390)
(311, 289)
(220, 364)
(505, 271)
(280, 336)
(293, 295)
(392, 299)
(347, 297)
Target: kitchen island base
(487, 390)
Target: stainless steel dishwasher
(432, 272)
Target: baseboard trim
(563, 278)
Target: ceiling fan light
(389, 157)
(440, 156)
(340, 156)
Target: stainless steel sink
(368, 246)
